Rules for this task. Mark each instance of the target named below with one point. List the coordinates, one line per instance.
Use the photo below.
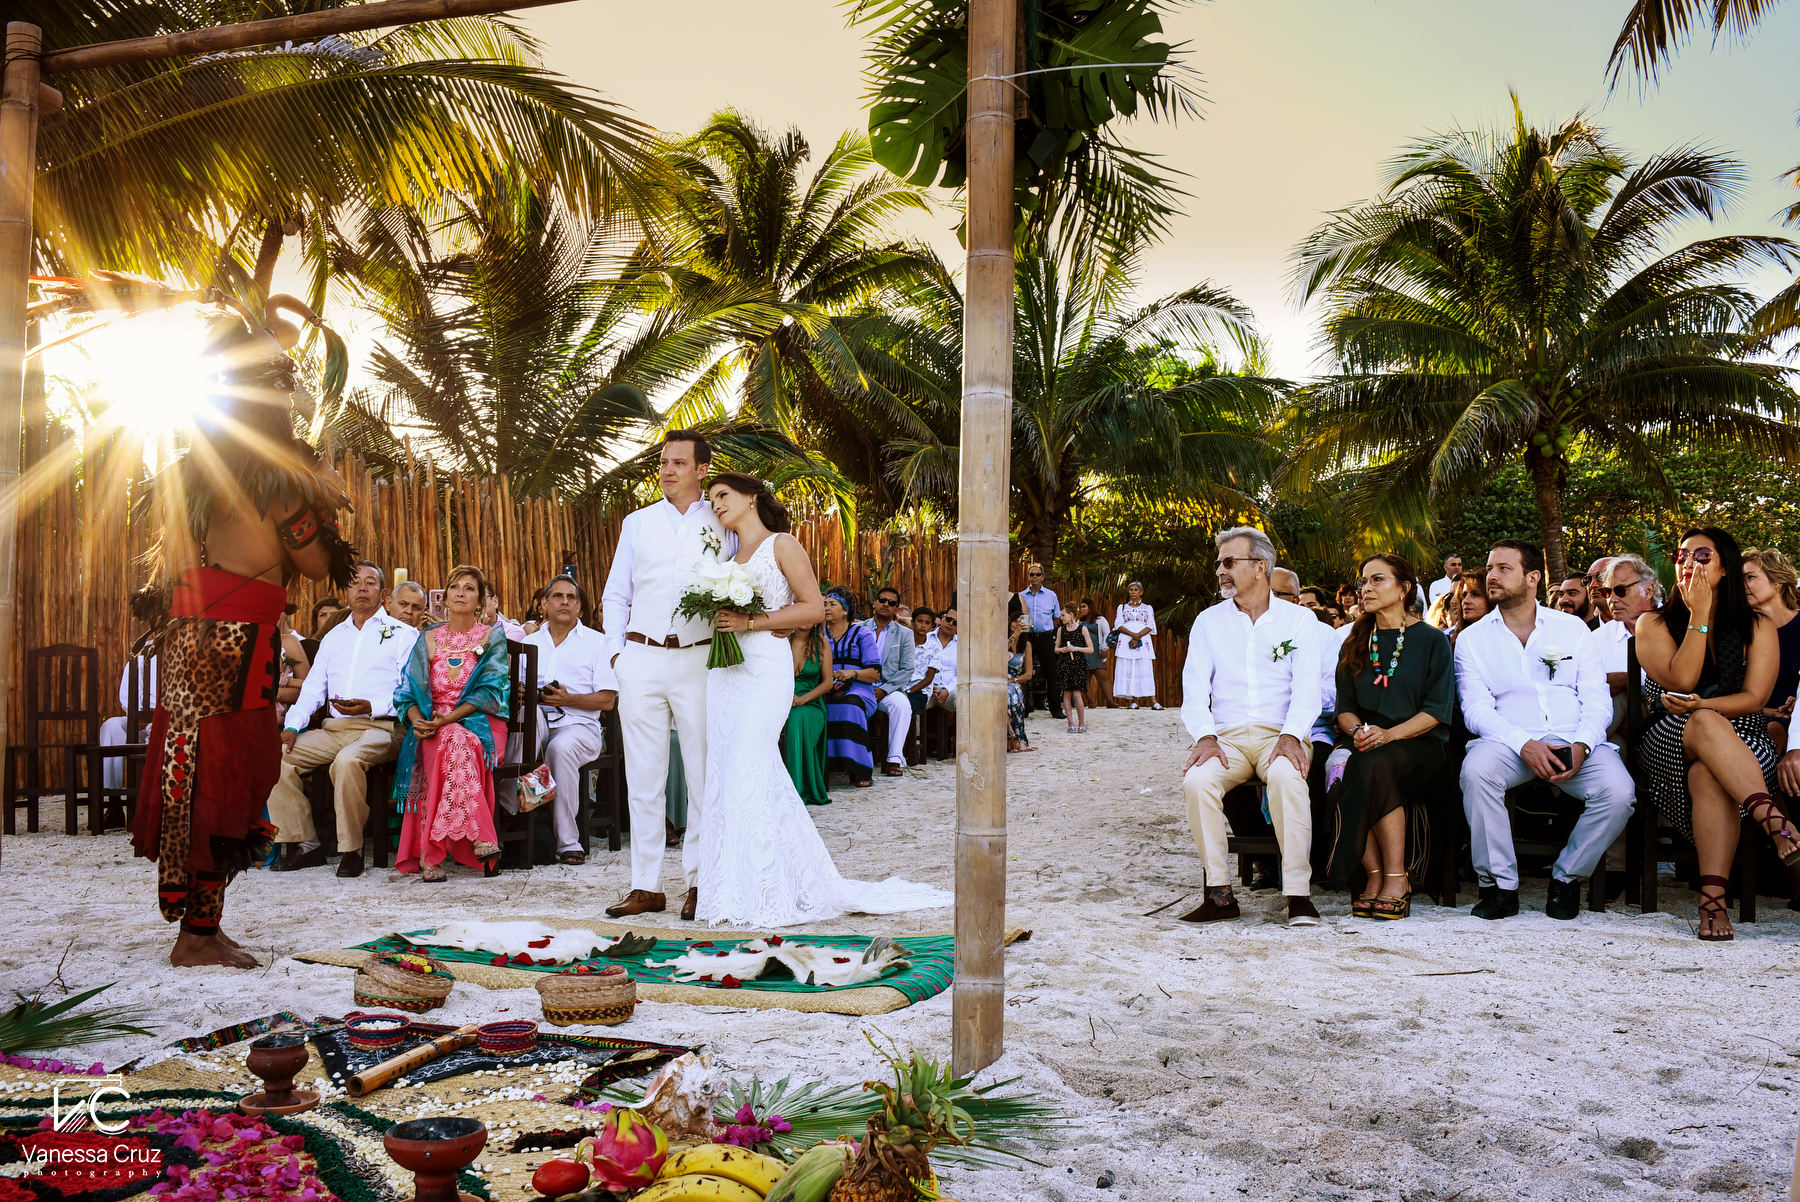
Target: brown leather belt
(670, 643)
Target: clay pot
(276, 1058)
(434, 1151)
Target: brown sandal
(1783, 828)
(1391, 908)
(1359, 905)
(1714, 906)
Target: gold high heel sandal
(1391, 908)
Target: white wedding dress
(762, 862)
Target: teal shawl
(488, 689)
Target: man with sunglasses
(1250, 696)
(1534, 693)
(943, 684)
(895, 642)
(1598, 597)
(1631, 590)
(1041, 607)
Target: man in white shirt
(1250, 696)
(660, 660)
(1632, 590)
(113, 731)
(1452, 569)
(943, 684)
(894, 643)
(1534, 692)
(357, 672)
(575, 683)
(1597, 589)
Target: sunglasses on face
(887, 600)
(1228, 562)
(1700, 555)
(948, 621)
(1621, 591)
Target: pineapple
(919, 1111)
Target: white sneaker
(1134, 705)
(1156, 705)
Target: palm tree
(796, 272)
(167, 168)
(1130, 406)
(1654, 28)
(1508, 293)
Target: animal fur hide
(807, 962)
(512, 938)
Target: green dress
(803, 738)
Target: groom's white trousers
(660, 688)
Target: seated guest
(355, 675)
(1285, 583)
(409, 603)
(575, 685)
(803, 738)
(903, 615)
(327, 612)
(491, 615)
(295, 664)
(1470, 601)
(855, 666)
(1250, 696)
(925, 653)
(1571, 597)
(943, 662)
(1321, 772)
(1597, 594)
(1710, 663)
(454, 699)
(1346, 603)
(1313, 597)
(113, 731)
(894, 646)
(1019, 671)
(1453, 570)
(1534, 695)
(536, 614)
(1396, 690)
(1774, 591)
(1631, 591)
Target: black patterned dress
(1662, 760)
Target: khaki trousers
(1251, 751)
(351, 746)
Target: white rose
(721, 591)
(742, 594)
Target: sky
(1306, 101)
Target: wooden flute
(388, 1071)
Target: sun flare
(151, 372)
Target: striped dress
(848, 708)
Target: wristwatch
(752, 625)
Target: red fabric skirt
(215, 748)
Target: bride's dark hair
(773, 513)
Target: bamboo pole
(18, 170)
(977, 1005)
(305, 27)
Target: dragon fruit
(628, 1152)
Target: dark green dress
(803, 738)
(1398, 773)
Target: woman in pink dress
(445, 774)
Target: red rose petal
(707, 977)
(544, 942)
(731, 982)
(840, 959)
(521, 958)
(775, 940)
(706, 944)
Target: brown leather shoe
(350, 864)
(292, 858)
(690, 904)
(638, 901)
(1213, 910)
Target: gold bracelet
(752, 621)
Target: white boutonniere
(1553, 661)
(709, 538)
(1282, 650)
(385, 632)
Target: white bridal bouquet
(721, 585)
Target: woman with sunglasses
(1710, 662)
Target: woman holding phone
(1711, 662)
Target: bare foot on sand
(195, 951)
(227, 940)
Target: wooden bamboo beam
(306, 27)
(18, 170)
(977, 1003)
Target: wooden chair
(522, 716)
(939, 733)
(62, 685)
(140, 709)
(1646, 846)
(603, 808)
(1243, 811)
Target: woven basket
(602, 999)
(402, 981)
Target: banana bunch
(715, 1173)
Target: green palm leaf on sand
(38, 1026)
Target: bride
(761, 861)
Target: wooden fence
(80, 550)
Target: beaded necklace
(1383, 679)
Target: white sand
(1610, 1057)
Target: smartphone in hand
(1564, 756)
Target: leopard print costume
(206, 668)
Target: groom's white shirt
(653, 565)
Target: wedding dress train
(761, 860)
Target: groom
(660, 660)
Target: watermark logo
(84, 1114)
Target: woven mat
(933, 959)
